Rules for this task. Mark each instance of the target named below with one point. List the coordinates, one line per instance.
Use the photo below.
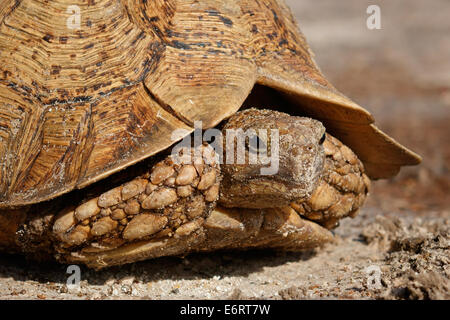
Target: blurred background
(401, 74)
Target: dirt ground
(397, 248)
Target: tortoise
(91, 112)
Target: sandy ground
(397, 248)
(373, 257)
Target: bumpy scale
(171, 200)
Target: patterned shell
(89, 87)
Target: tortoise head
(271, 159)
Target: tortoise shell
(79, 102)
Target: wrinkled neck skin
(290, 172)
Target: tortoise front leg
(170, 200)
(342, 189)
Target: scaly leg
(342, 188)
(170, 200)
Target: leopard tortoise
(95, 95)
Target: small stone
(87, 210)
(118, 214)
(207, 180)
(144, 225)
(127, 280)
(133, 188)
(110, 198)
(160, 198)
(160, 173)
(186, 175)
(103, 226)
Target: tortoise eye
(322, 140)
